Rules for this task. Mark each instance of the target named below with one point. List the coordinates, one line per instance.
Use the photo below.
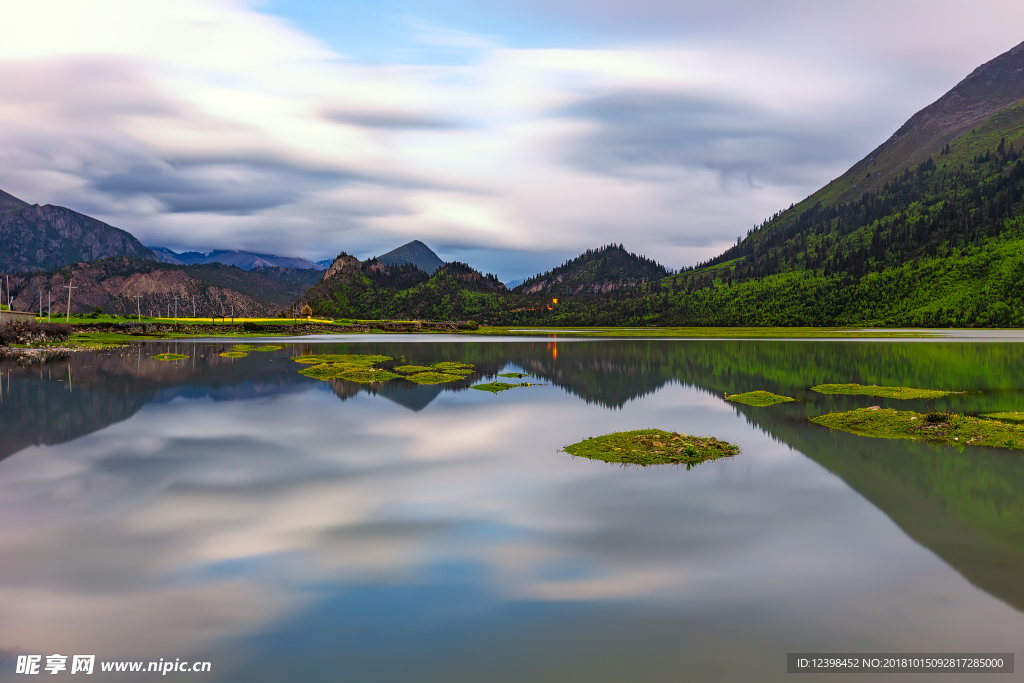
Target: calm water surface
(289, 529)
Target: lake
(285, 528)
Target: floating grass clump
(517, 375)
(409, 369)
(653, 447)
(880, 392)
(1006, 416)
(433, 378)
(268, 347)
(496, 387)
(758, 398)
(347, 358)
(945, 428)
(347, 366)
(234, 354)
(351, 373)
(169, 356)
(454, 367)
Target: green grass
(409, 369)
(516, 375)
(943, 428)
(453, 366)
(880, 392)
(652, 447)
(1006, 416)
(346, 358)
(433, 378)
(169, 356)
(699, 332)
(758, 398)
(234, 354)
(362, 374)
(496, 387)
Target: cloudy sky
(510, 134)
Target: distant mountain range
(40, 238)
(245, 260)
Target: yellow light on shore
(554, 301)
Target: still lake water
(289, 529)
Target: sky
(510, 135)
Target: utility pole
(193, 305)
(138, 305)
(175, 310)
(48, 306)
(40, 304)
(67, 316)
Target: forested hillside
(596, 271)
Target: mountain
(9, 202)
(927, 230)
(326, 263)
(39, 238)
(245, 260)
(373, 289)
(596, 271)
(512, 284)
(214, 288)
(414, 252)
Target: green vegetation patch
(346, 358)
(268, 347)
(352, 373)
(945, 428)
(1006, 416)
(234, 354)
(517, 375)
(496, 387)
(169, 356)
(433, 378)
(653, 447)
(453, 367)
(758, 398)
(881, 392)
(409, 369)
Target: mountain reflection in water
(232, 509)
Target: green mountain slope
(595, 271)
(374, 290)
(936, 243)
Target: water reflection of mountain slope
(62, 401)
(967, 507)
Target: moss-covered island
(169, 356)
(514, 375)
(497, 387)
(364, 369)
(758, 398)
(945, 428)
(881, 392)
(234, 354)
(652, 447)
